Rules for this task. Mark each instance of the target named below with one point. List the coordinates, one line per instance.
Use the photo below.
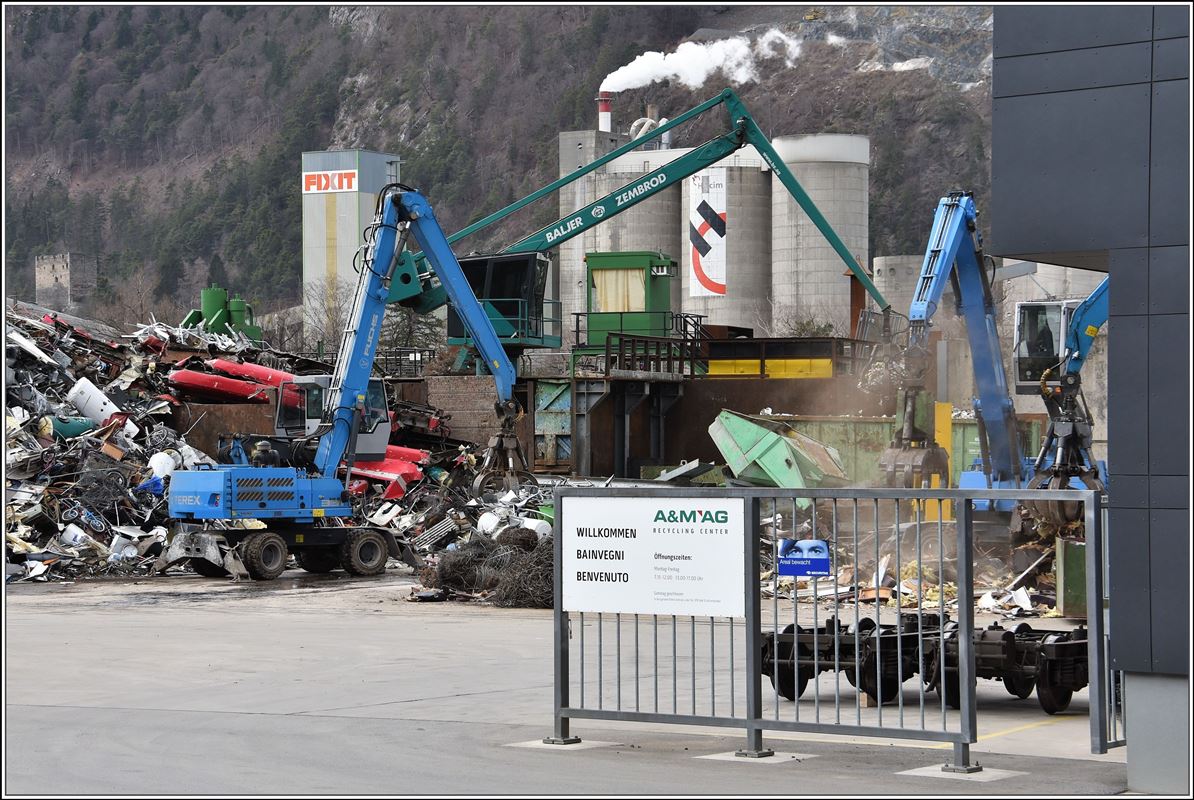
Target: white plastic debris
(540, 526)
(988, 602)
(35, 570)
(164, 463)
(130, 542)
(95, 405)
(191, 457)
(74, 536)
(491, 521)
(29, 347)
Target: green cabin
(630, 293)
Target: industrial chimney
(604, 116)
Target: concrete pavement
(333, 685)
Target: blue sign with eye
(803, 558)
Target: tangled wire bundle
(476, 566)
(528, 582)
(522, 538)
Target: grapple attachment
(1059, 512)
(912, 467)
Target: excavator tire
(318, 560)
(264, 555)
(364, 552)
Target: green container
(859, 441)
(766, 452)
(654, 317)
(236, 311)
(632, 323)
(966, 448)
(70, 427)
(1071, 577)
(212, 301)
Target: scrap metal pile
(93, 433)
(881, 566)
(486, 548)
(88, 447)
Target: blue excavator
(954, 257)
(1065, 459)
(303, 510)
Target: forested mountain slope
(166, 140)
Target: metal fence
(875, 649)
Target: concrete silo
(577, 148)
(807, 276)
(339, 189)
(650, 225)
(725, 269)
(895, 277)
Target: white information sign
(654, 555)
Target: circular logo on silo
(598, 212)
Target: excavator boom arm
(743, 131)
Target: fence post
(754, 634)
(1096, 650)
(966, 677)
(561, 634)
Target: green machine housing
(219, 314)
(628, 292)
(511, 288)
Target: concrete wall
(1165, 732)
(577, 148)
(52, 281)
(808, 280)
(650, 225)
(470, 400)
(895, 277)
(1090, 125)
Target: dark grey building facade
(1090, 169)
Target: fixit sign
(337, 181)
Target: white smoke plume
(693, 62)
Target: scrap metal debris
(88, 450)
(93, 432)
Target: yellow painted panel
(943, 425)
(800, 368)
(331, 240)
(734, 366)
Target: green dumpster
(767, 452)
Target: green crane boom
(743, 131)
